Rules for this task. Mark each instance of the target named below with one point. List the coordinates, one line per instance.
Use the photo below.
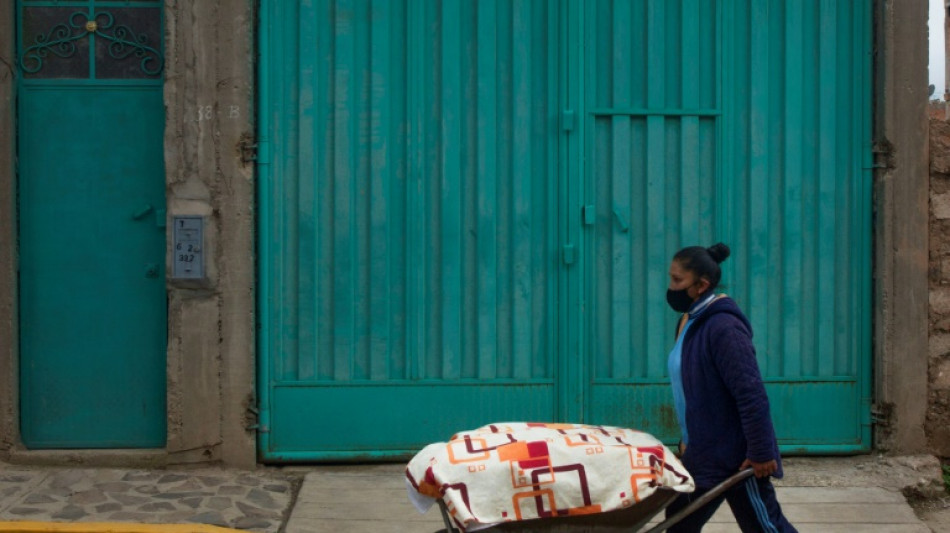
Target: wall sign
(188, 253)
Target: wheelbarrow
(544, 477)
(624, 520)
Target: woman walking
(720, 401)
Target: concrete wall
(210, 109)
(900, 232)
(9, 393)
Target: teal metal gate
(468, 209)
(91, 190)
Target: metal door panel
(91, 197)
(770, 155)
(409, 245)
(798, 167)
(652, 182)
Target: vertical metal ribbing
(861, 208)
(325, 64)
(655, 249)
(618, 195)
(415, 263)
(847, 343)
(359, 155)
(755, 276)
(452, 205)
(825, 237)
(810, 168)
(791, 219)
(522, 183)
(305, 204)
(689, 185)
(287, 191)
(344, 177)
(381, 198)
(486, 271)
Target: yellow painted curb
(108, 527)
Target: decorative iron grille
(123, 42)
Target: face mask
(679, 300)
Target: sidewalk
(819, 495)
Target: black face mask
(679, 300)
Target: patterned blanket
(518, 471)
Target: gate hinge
(879, 414)
(248, 149)
(252, 420)
(882, 151)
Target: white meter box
(189, 245)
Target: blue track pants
(753, 504)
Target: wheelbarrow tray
(630, 519)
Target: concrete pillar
(901, 224)
(9, 384)
(210, 110)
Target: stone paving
(258, 501)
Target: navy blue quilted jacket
(727, 410)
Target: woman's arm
(734, 357)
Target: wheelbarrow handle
(712, 494)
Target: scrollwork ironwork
(61, 41)
(125, 42)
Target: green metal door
(745, 122)
(468, 209)
(652, 112)
(91, 224)
(408, 222)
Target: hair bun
(719, 252)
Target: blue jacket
(727, 410)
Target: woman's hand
(761, 469)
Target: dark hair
(704, 262)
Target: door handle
(141, 213)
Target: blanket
(519, 471)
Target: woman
(720, 400)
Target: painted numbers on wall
(207, 112)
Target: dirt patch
(914, 474)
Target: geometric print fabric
(523, 470)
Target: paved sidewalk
(258, 501)
(829, 495)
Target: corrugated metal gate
(468, 209)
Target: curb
(108, 527)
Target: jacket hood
(724, 305)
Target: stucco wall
(209, 101)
